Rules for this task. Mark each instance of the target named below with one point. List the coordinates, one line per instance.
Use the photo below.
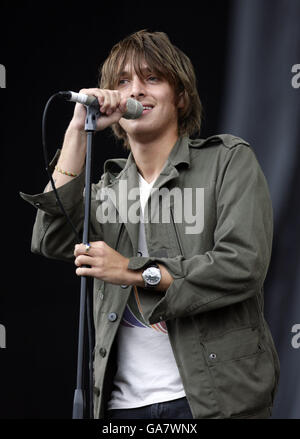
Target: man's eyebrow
(129, 72)
(124, 72)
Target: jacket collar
(179, 154)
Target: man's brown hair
(164, 59)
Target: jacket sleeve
(52, 234)
(235, 268)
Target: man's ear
(181, 100)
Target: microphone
(134, 108)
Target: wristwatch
(151, 276)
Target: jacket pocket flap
(233, 345)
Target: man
(179, 272)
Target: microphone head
(134, 109)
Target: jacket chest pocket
(192, 221)
(185, 238)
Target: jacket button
(102, 352)
(97, 391)
(37, 204)
(212, 356)
(112, 317)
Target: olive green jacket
(214, 307)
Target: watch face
(152, 275)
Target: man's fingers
(111, 102)
(83, 260)
(85, 271)
(105, 106)
(81, 249)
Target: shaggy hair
(163, 59)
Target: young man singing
(178, 270)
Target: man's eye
(152, 78)
(123, 81)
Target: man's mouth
(147, 108)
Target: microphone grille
(134, 109)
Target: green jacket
(214, 307)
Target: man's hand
(109, 265)
(112, 106)
(103, 263)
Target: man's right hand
(72, 157)
(112, 107)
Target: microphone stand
(79, 396)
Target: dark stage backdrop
(244, 53)
(262, 104)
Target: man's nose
(137, 88)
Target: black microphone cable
(44, 137)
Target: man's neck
(150, 157)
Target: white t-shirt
(147, 372)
